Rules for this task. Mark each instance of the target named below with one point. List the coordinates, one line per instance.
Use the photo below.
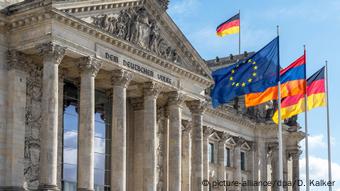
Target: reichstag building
(110, 95)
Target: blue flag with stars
(253, 74)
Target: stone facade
(110, 95)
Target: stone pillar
(138, 107)
(162, 149)
(175, 100)
(151, 91)
(207, 131)
(60, 126)
(85, 169)
(186, 156)
(221, 173)
(237, 162)
(52, 55)
(197, 109)
(274, 148)
(261, 163)
(15, 133)
(120, 81)
(295, 154)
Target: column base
(84, 189)
(48, 188)
(11, 188)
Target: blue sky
(314, 23)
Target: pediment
(230, 141)
(144, 24)
(214, 137)
(245, 146)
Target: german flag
(292, 83)
(315, 97)
(231, 26)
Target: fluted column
(261, 163)
(120, 81)
(151, 92)
(220, 159)
(197, 109)
(52, 55)
(295, 154)
(85, 170)
(237, 162)
(175, 100)
(207, 131)
(274, 148)
(186, 156)
(138, 107)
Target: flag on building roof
(254, 74)
(293, 80)
(294, 105)
(231, 26)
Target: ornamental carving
(89, 64)
(33, 124)
(121, 77)
(136, 26)
(51, 50)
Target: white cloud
(182, 7)
(316, 141)
(318, 170)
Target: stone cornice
(41, 16)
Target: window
(211, 152)
(227, 157)
(243, 161)
(101, 141)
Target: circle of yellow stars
(243, 84)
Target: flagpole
(239, 34)
(306, 125)
(328, 132)
(280, 124)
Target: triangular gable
(230, 141)
(214, 137)
(245, 146)
(144, 24)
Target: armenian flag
(253, 74)
(231, 26)
(292, 83)
(316, 95)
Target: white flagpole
(239, 34)
(306, 127)
(328, 131)
(280, 126)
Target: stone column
(197, 109)
(162, 148)
(237, 162)
(261, 163)
(138, 107)
(120, 81)
(151, 91)
(221, 173)
(15, 132)
(175, 100)
(274, 148)
(295, 154)
(207, 131)
(52, 55)
(85, 169)
(186, 156)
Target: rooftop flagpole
(306, 124)
(239, 34)
(328, 132)
(280, 124)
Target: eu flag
(253, 74)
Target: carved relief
(136, 25)
(33, 124)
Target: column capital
(294, 153)
(274, 146)
(151, 89)
(197, 106)
(175, 98)
(121, 77)
(52, 50)
(17, 61)
(207, 131)
(89, 64)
